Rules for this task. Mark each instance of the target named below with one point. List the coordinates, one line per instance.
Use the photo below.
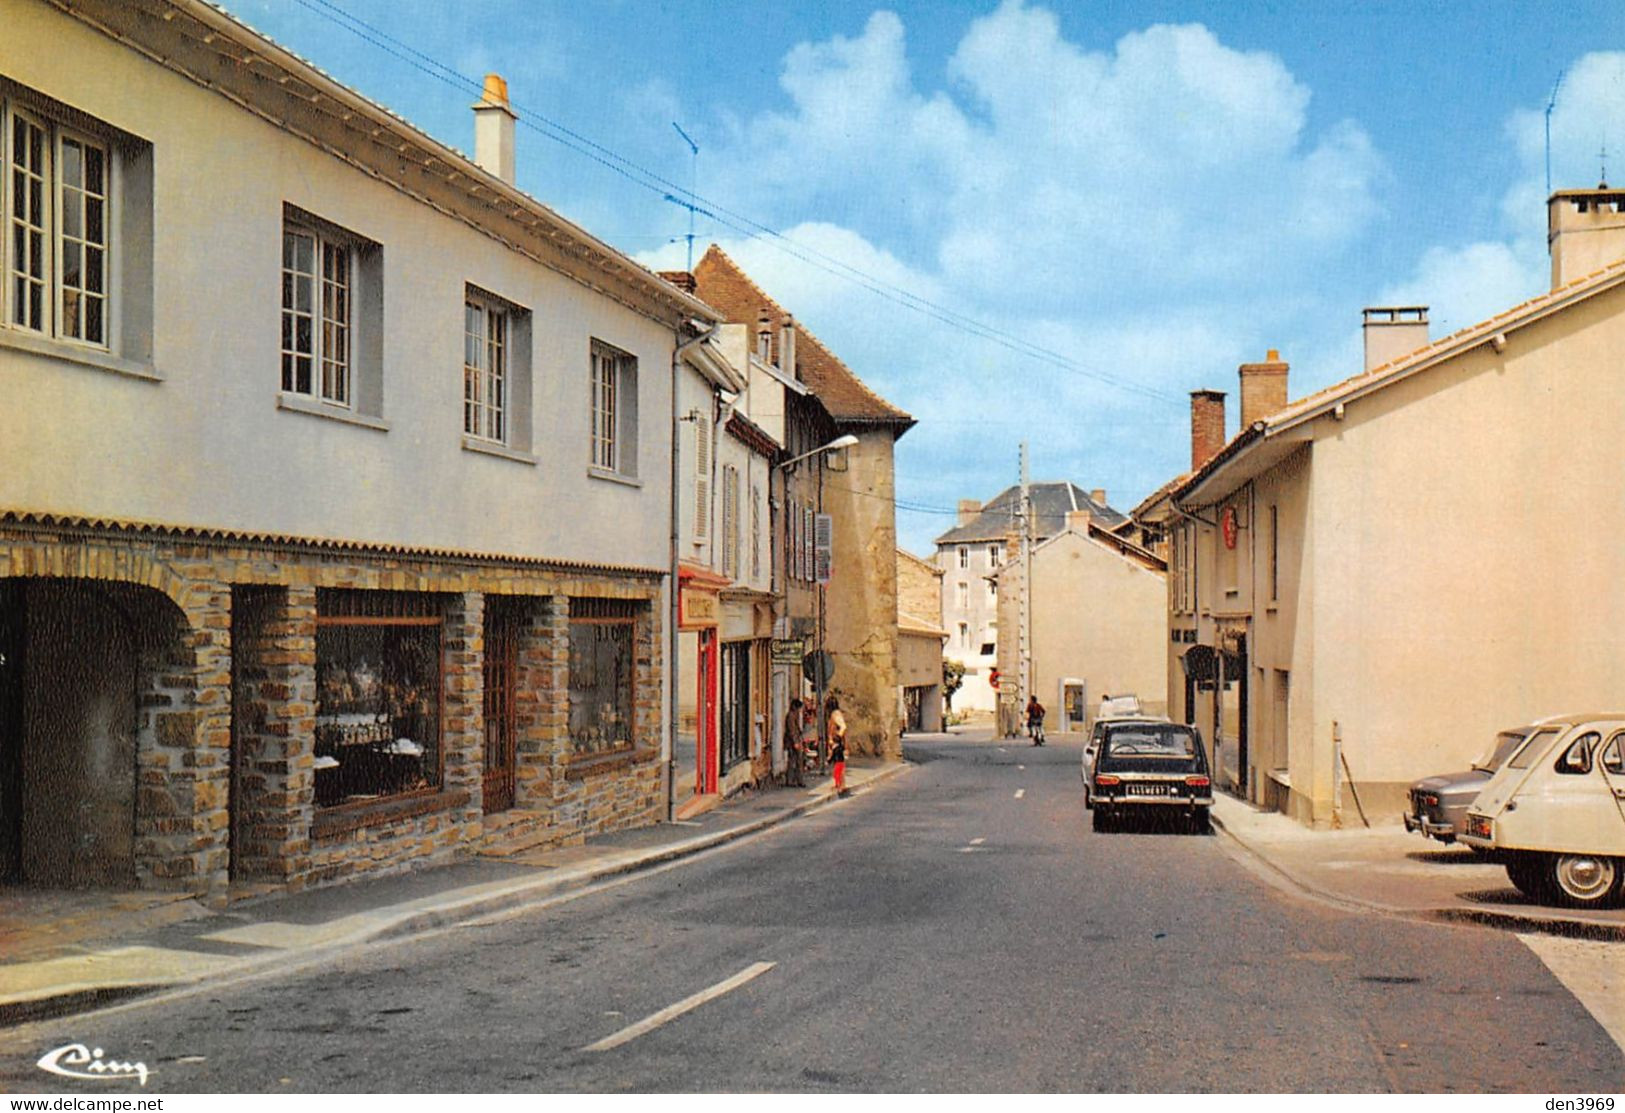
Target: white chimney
(493, 129)
(1394, 332)
(787, 346)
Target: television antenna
(1551, 103)
(693, 184)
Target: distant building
(971, 553)
(919, 642)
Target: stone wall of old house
(266, 593)
(919, 588)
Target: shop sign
(787, 651)
(699, 608)
(1227, 525)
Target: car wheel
(1583, 880)
(1527, 876)
(1200, 822)
(1102, 820)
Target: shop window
(377, 696)
(601, 674)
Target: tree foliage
(953, 678)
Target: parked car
(1438, 804)
(1555, 811)
(1098, 731)
(1149, 766)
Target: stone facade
(225, 741)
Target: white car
(1091, 748)
(1555, 812)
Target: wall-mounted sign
(787, 651)
(698, 607)
(1227, 526)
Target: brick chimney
(1393, 332)
(1207, 426)
(683, 280)
(968, 510)
(1585, 231)
(493, 129)
(1263, 388)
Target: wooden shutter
(702, 478)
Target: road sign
(819, 667)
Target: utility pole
(1025, 643)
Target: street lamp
(845, 441)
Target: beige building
(334, 515)
(919, 643)
(970, 556)
(1097, 625)
(1369, 582)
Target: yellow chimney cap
(495, 93)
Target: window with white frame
(962, 594)
(485, 369)
(995, 556)
(964, 556)
(964, 635)
(63, 186)
(317, 329)
(614, 426)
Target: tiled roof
(1158, 495)
(722, 284)
(1445, 348)
(1051, 504)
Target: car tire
(1101, 820)
(1527, 875)
(1200, 822)
(1583, 880)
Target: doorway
(501, 734)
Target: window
(995, 556)
(1577, 757)
(72, 195)
(331, 281)
(485, 370)
(1275, 553)
(962, 594)
(614, 411)
(989, 648)
(601, 676)
(992, 591)
(734, 699)
(964, 634)
(702, 479)
(730, 520)
(1532, 749)
(1613, 760)
(964, 556)
(755, 531)
(377, 695)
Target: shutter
(807, 529)
(728, 523)
(823, 546)
(755, 532)
(702, 479)
(626, 395)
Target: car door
(1511, 826)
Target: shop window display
(601, 672)
(377, 707)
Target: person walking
(793, 748)
(1035, 720)
(837, 744)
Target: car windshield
(1151, 740)
(1530, 753)
(1504, 744)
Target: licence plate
(1133, 789)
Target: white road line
(687, 1004)
(1020, 792)
(977, 842)
(1002, 750)
(1021, 767)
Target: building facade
(920, 642)
(337, 558)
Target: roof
(1160, 495)
(720, 281)
(1100, 535)
(909, 624)
(211, 47)
(1292, 418)
(1052, 502)
(924, 565)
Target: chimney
(1098, 496)
(1078, 521)
(1263, 388)
(493, 129)
(968, 510)
(1207, 426)
(1585, 231)
(764, 337)
(787, 346)
(683, 280)
(1393, 332)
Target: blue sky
(1156, 192)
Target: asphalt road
(959, 928)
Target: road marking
(977, 842)
(687, 1004)
(1020, 792)
(1021, 767)
(1002, 750)
(1592, 970)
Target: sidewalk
(1389, 869)
(62, 952)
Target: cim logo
(75, 1060)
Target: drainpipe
(671, 626)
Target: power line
(738, 222)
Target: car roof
(1141, 720)
(1575, 718)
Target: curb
(1545, 922)
(84, 997)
